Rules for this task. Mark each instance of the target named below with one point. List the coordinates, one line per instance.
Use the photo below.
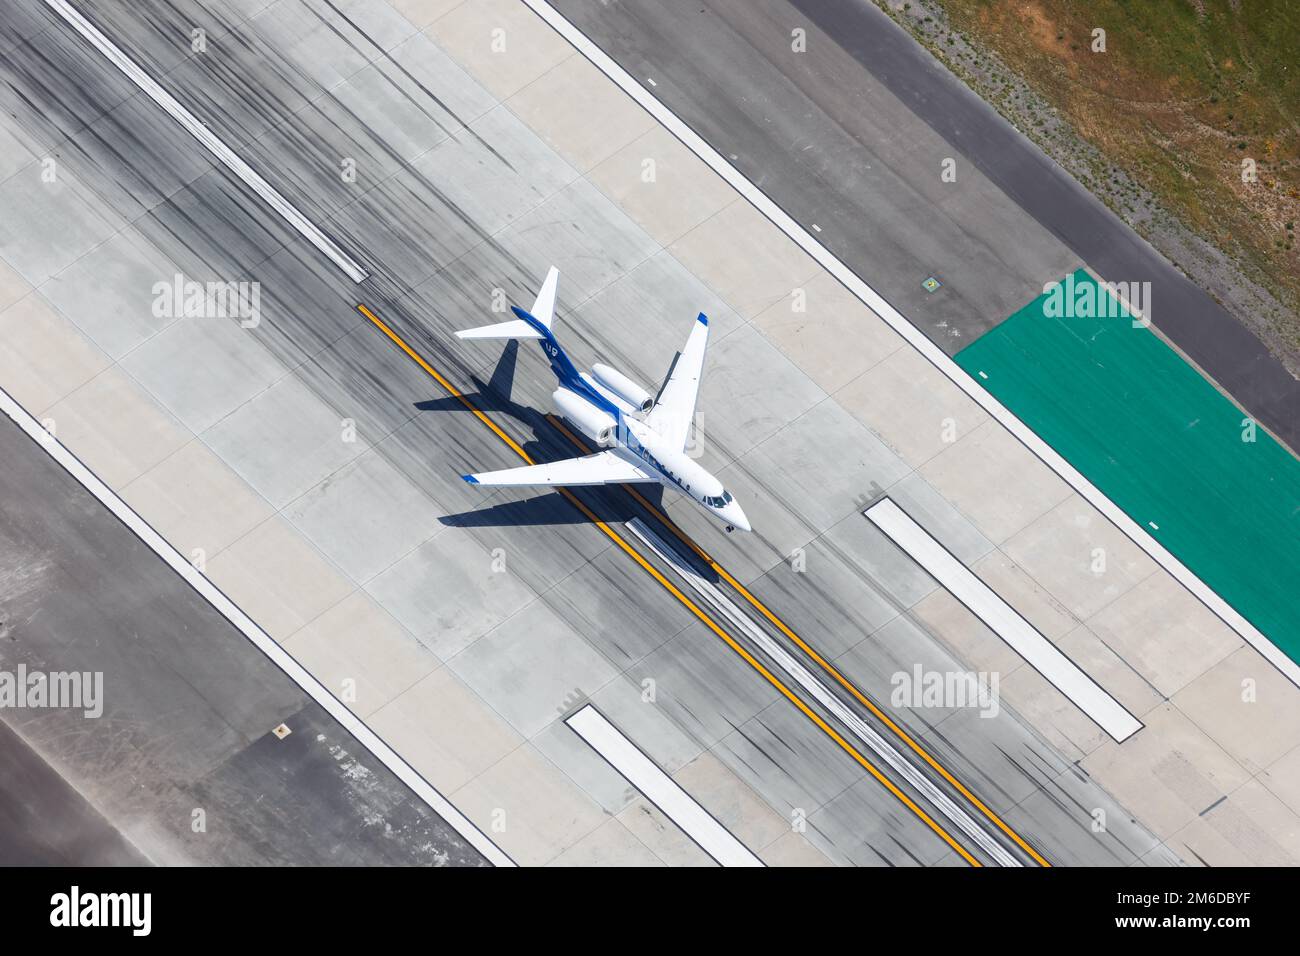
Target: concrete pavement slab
(907, 402)
(1167, 635)
(361, 654)
(1250, 828)
(794, 850)
(833, 604)
(423, 12)
(826, 448)
(1171, 769)
(611, 844)
(43, 358)
(278, 578)
(1051, 713)
(631, 702)
(450, 591)
(995, 481)
(866, 548)
(745, 259)
(624, 633)
(366, 516)
(662, 185)
(1283, 779)
(110, 292)
(938, 516)
(828, 332)
(445, 730)
(530, 669)
(661, 836)
(1104, 833)
(797, 766)
(308, 44)
(879, 834)
(1082, 559)
(576, 759)
(203, 368)
(581, 116)
(969, 639)
(196, 502)
(285, 440)
(1247, 707)
(1111, 671)
(1030, 599)
(694, 665)
(731, 802)
(13, 154)
(583, 234)
(12, 286)
(501, 42)
(116, 429)
(743, 409)
(497, 172)
(530, 809)
(48, 221)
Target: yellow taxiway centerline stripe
(680, 596)
(821, 661)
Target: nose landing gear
(730, 528)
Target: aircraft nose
(736, 517)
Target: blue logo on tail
(563, 366)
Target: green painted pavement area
(1161, 442)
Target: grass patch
(1183, 93)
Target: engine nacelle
(597, 425)
(623, 387)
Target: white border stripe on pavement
(1040, 653)
(659, 788)
(937, 357)
(306, 228)
(231, 612)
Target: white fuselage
(640, 443)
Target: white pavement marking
(800, 675)
(1041, 654)
(659, 788)
(875, 301)
(231, 612)
(306, 228)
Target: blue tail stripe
(563, 366)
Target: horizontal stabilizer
(514, 329)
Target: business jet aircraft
(644, 438)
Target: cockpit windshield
(718, 501)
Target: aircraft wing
(675, 407)
(602, 468)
